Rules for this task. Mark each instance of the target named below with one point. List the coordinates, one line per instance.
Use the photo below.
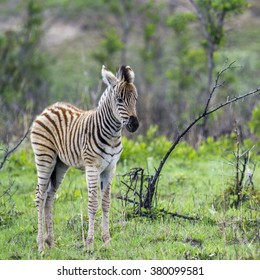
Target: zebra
(63, 136)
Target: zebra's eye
(120, 100)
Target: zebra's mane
(125, 73)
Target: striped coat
(64, 136)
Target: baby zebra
(63, 136)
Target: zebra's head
(124, 95)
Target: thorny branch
(137, 186)
(8, 151)
(205, 113)
(141, 197)
(217, 84)
(173, 215)
(243, 175)
(7, 194)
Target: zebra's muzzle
(132, 124)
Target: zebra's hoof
(40, 244)
(90, 243)
(106, 238)
(106, 244)
(90, 248)
(49, 241)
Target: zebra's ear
(108, 77)
(126, 74)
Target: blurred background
(53, 50)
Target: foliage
(215, 12)
(149, 145)
(223, 146)
(8, 209)
(73, 6)
(153, 146)
(110, 47)
(254, 124)
(23, 82)
(23, 65)
(179, 22)
(152, 49)
(21, 161)
(230, 198)
(183, 78)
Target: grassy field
(190, 185)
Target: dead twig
(141, 197)
(127, 199)
(8, 151)
(181, 135)
(173, 215)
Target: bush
(148, 146)
(254, 124)
(155, 147)
(22, 160)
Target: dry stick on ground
(135, 183)
(241, 168)
(205, 113)
(8, 152)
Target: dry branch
(205, 113)
(141, 197)
(173, 215)
(8, 151)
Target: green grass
(188, 187)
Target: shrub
(254, 124)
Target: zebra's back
(58, 131)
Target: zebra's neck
(104, 96)
(109, 122)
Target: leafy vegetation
(255, 121)
(151, 145)
(24, 79)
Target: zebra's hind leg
(45, 164)
(55, 181)
(40, 201)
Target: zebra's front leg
(106, 181)
(92, 177)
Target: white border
(31, 270)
